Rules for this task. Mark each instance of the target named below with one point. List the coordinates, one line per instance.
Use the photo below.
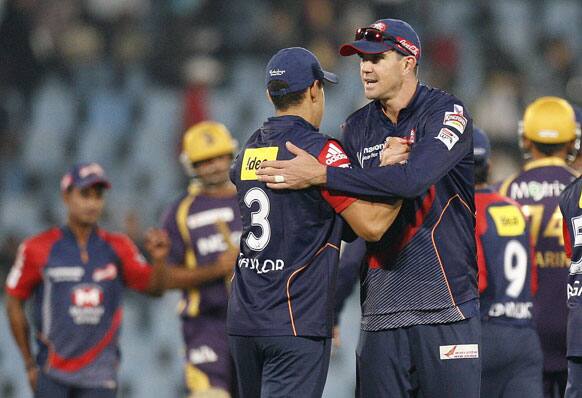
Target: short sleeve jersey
(77, 305)
(285, 276)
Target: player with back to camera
(280, 313)
(548, 136)
(511, 352)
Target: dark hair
(548, 149)
(284, 102)
(481, 172)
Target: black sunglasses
(375, 35)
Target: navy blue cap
(398, 35)
(481, 146)
(84, 175)
(297, 67)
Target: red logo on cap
(408, 45)
(381, 26)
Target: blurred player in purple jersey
(75, 276)
(204, 227)
(281, 308)
(420, 329)
(510, 347)
(571, 208)
(549, 136)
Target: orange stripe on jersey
(437, 251)
(293, 275)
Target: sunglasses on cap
(375, 35)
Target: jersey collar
(545, 162)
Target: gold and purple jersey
(193, 223)
(571, 207)
(537, 188)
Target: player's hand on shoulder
(157, 244)
(396, 150)
(300, 172)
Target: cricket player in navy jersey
(74, 276)
(420, 329)
(571, 208)
(510, 348)
(204, 227)
(549, 136)
(280, 313)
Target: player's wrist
(321, 177)
(30, 365)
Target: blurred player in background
(75, 276)
(548, 137)
(204, 226)
(281, 308)
(571, 208)
(420, 309)
(511, 353)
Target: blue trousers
(50, 388)
(422, 361)
(512, 362)
(280, 366)
(574, 386)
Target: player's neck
(227, 189)
(81, 231)
(303, 112)
(393, 106)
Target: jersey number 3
(258, 218)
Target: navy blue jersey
(424, 269)
(77, 303)
(571, 208)
(285, 276)
(507, 270)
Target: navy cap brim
(91, 181)
(364, 47)
(330, 77)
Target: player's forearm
(20, 329)
(371, 220)
(158, 279)
(183, 278)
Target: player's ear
(409, 64)
(313, 91)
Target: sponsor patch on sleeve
(447, 137)
(333, 155)
(252, 159)
(459, 351)
(456, 119)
